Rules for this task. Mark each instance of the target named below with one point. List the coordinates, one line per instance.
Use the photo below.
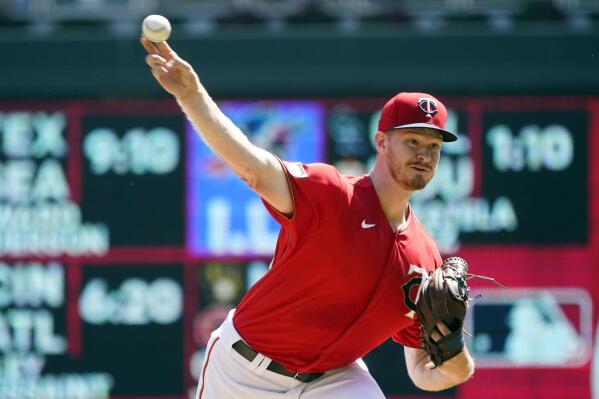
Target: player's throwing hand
(173, 73)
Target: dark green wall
(308, 63)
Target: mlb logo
(514, 328)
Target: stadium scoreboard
(124, 241)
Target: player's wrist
(188, 97)
(459, 368)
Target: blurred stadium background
(123, 241)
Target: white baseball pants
(226, 374)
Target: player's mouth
(420, 168)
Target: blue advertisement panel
(225, 218)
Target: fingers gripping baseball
(174, 74)
(156, 63)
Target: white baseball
(156, 28)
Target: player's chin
(415, 183)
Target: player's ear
(381, 141)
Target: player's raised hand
(173, 73)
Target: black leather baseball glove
(443, 298)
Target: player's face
(412, 156)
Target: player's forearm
(224, 138)
(451, 373)
(458, 369)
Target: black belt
(248, 353)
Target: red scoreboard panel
(112, 272)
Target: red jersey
(341, 282)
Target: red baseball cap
(415, 110)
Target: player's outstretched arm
(451, 373)
(257, 167)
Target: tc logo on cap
(428, 106)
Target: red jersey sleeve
(316, 189)
(409, 336)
